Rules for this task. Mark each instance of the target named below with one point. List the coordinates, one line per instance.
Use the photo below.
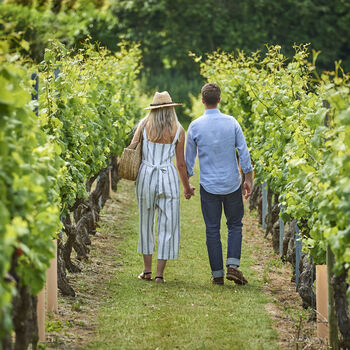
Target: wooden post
(322, 301)
(281, 235)
(41, 315)
(264, 204)
(298, 251)
(51, 283)
(332, 319)
(110, 180)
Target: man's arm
(191, 151)
(246, 164)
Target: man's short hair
(211, 94)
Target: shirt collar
(211, 111)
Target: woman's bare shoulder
(181, 127)
(181, 133)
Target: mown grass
(187, 312)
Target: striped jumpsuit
(157, 189)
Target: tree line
(168, 30)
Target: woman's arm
(181, 165)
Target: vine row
(297, 124)
(55, 167)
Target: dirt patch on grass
(74, 326)
(291, 321)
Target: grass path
(187, 312)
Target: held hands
(247, 189)
(189, 192)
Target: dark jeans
(212, 210)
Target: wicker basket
(130, 161)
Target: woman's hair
(160, 120)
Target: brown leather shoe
(235, 275)
(218, 280)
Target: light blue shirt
(217, 136)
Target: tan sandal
(142, 276)
(162, 280)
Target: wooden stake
(41, 315)
(264, 204)
(110, 181)
(322, 301)
(51, 283)
(332, 319)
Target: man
(217, 136)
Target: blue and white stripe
(157, 190)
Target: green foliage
(71, 26)
(85, 117)
(52, 325)
(197, 107)
(169, 30)
(88, 110)
(29, 202)
(298, 145)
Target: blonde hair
(160, 121)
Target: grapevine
(87, 107)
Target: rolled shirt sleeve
(190, 152)
(243, 151)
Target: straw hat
(162, 99)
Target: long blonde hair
(160, 121)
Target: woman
(157, 183)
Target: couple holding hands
(217, 138)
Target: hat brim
(165, 105)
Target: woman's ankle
(159, 279)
